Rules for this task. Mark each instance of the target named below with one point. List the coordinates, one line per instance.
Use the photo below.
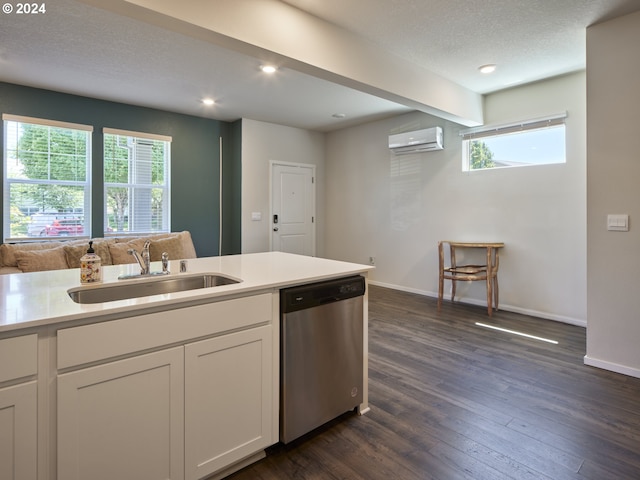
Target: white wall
(613, 171)
(397, 208)
(261, 143)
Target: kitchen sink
(148, 286)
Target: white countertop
(40, 298)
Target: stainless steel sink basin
(146, 287)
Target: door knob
(275, 229)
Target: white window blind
(137, 182)
(488, 131)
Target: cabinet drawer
(100, 341)
(18, 357)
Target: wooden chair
(487, 272)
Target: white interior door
(293, 208)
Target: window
(136, 182)
(46, 178)
(536, 142)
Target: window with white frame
(533, 142)
(136, 182)
(46, 178)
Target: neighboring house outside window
(136, 182)
(534, 142)
(46, 178)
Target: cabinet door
(228, 400)
(18, 432)
(123, 420)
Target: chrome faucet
(144, 259)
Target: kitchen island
(176, 385)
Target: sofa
(57, 255)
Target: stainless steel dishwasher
(321, 362)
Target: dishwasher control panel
(314, 294)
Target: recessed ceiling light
(339, 115)
(208, 101)
(489, 68)
(268, 68)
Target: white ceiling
(528, 39)
(78, 48)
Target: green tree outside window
(46, 170)
(480, 156)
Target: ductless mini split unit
(425, 140)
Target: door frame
(272, 165)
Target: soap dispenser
(90, 267)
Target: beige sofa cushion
(77, 250)
(9, 250)
(118, 251)
(150, 236)
(41, 260)
(178, 246)
(7, 270)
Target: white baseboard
(509, 308)
(613, 367)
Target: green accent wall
(232, 190)
(195, 159)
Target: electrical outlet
(372, 260)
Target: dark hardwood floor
(452, 400)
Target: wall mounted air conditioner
(425, 140)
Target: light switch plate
(256, 216)
(618, 222)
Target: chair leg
(453, 290)
(440, 273)
(489, 297)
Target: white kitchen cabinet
(123, 420)
(187, 411)
(19, 408)
(228, 400)
(18, 432)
